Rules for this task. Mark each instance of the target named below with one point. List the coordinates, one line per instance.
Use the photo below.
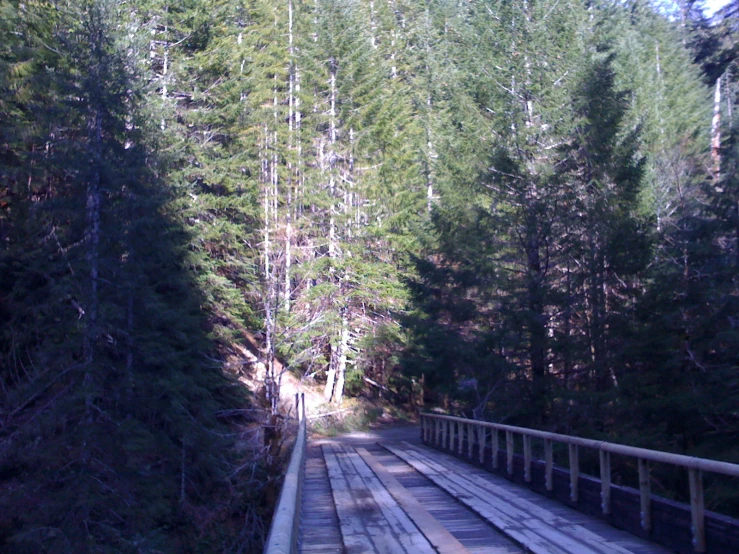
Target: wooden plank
(370, 519)
(319, 524)
(535, 528)
(353, 533)
(508, 519)
(408, 535)
(437, 535)
(474, 532)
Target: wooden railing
(440, 430)
(283, 534)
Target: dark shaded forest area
(530, 208)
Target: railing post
(481, 441)
(605, 481)
(437, 425)
(697, 509)
(460, 446)
(527, 458)
(645, 495)
(549, 461)
(452, 432)
(509, 451)
(495, 446)
(574, 472)
(470, 442)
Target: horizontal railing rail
(285, 528)
(441, 429)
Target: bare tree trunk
(393, 34)
(333, 250)
(716, 132)
(300, 175)
(287, 293)
(93, 254)
(344, 309)
(373, 25)
(332, 164)
(537, 318)
(165, 66)
(567, 354)
(429, 143)
(273, 285)
(328, 391)
(130, 314)
(268, 179)
(341, 357)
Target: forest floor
(325, 419)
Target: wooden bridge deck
(386, 492)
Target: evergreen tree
(109, 396)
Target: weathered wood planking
(320, 530)
(476, 534)
(517, 512)
(319, 524)
(441, 539)
(370, 519)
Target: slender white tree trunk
(341, 357)
(287, 292)
(333, 250)
(430, 155)
(373, 25)
(716, 132)
(332, 164)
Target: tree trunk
(287, 293)
(341, 355)
(328, 390)
(537, 327)
(93, 254)
(716, 132)
(333, 250)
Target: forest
(528, 209)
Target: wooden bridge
(439, 488)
